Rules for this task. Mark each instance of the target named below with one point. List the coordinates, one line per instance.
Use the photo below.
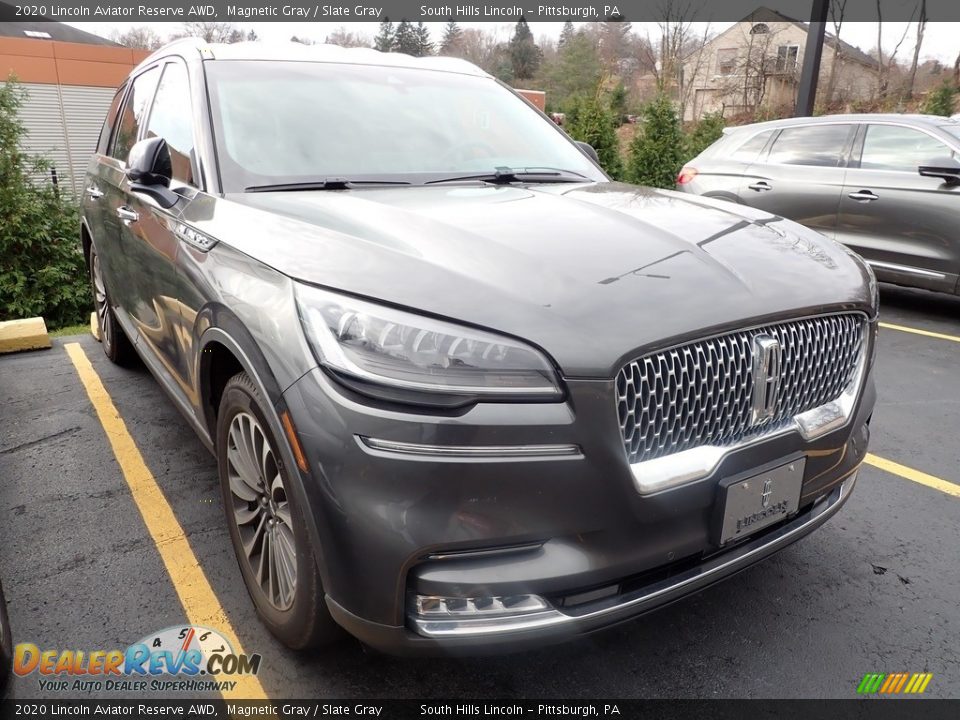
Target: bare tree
(921, 27)
(344, 38)
(214, 32)
(883, 67)
(481, 47)
(756, 67)
(838, 9)
(140, 37)
(677, 55)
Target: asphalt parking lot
(875, 590)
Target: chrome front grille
(702, 393)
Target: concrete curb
(28, 334)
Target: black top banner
(467, 10)
(490, 709)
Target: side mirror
(588, 149)
(945, 168)
(149, 171)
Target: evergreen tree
(452, 38)
(42, 268)
(614, 36)
(940, 101)
(424, 44)
(618, 103)
(405, 40)
(524, 53)
(656, 152)
(707, 132)
(386, 37)
(566, 35)
(591, 121)
(576, 72)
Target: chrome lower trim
(905, 269)
(470, 453)
(713, 569)
(671, 471)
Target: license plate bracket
(752, 501)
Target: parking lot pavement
(874, 590)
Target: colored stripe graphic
(870, 683)
(894, 683)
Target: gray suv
(464, 392)
(887, 186)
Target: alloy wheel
(261, 510)
(100, 301)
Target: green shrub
(42, 271)
(706, 132)
(591, 121)
(657, 150)
(940, 101)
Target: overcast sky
(940, 40)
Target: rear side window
(172, 119)
(110, 121)
(134, 113)
(888, 147)
(750, 150)
(816, 145)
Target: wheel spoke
(258, 539)
(243, 513)
(239, 459)
(284, 516)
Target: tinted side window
(134, 113)
(110, 121)
(751, 149)
(172, 119)
(887, 147)
(818, 145)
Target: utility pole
(813, 52)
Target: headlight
(416, 354)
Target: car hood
(592, 273)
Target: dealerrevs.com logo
(179, 658)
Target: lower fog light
(444, 616)
(427, 606)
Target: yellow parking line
(917, 331)
(194, 590)
(916, 476)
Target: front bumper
(557, 626)
(393, 523)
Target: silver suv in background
(887, 186)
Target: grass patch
(71, 330)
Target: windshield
(289, 122)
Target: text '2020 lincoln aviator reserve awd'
(464, 392)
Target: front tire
(116, 346)
(276, 556)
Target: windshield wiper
(506, 175)
(333, 183)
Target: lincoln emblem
(767, 354)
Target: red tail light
(686, 175)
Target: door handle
(94, 193)
(863, 196)
(761, 186)
(127, 215)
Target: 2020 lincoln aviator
(464, 391)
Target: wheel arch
(226, 347)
